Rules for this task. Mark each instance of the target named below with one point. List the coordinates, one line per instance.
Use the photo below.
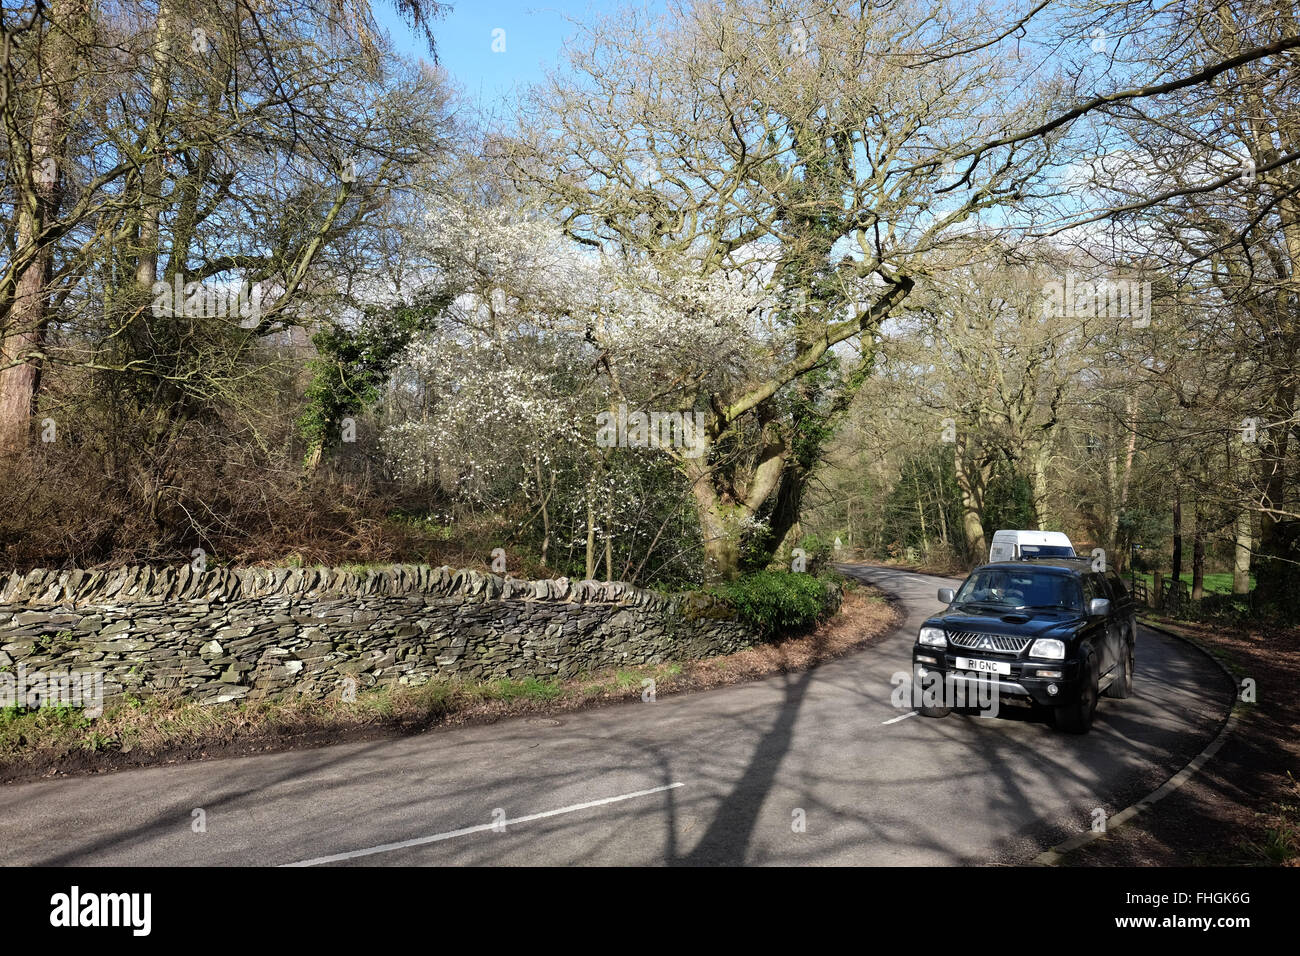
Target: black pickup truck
(1052, 632)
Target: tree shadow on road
(726, 841)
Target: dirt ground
(1243, 808)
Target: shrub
(775, 602)
(820, 552)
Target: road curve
(808, 768)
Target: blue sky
(534, 33)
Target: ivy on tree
(354, 363)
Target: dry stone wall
(224, 635)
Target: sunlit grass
(1216, 583)
(162, 723)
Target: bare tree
(816, 142)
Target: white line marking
(465, 831)
(897, 719)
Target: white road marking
(895, 720)
(465, 831)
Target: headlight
(933, 637)
(1049, 648)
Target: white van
(1017, 545)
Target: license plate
(984, 667)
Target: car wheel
(1076, 717)
(925, 711)
(921, 708)
(1122, 686)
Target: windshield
(1046, 551)
(1027, 588)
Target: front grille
(997, 643)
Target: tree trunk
(22, 332)
(609, 554)
(976, 544)
(152, 173)
(591, 540)
(721, 535)
(1039, 486)
(940, 504)
(971, 479)
(920, 514)
(1198, 557)
(1244, 546)
(1130, 423)
(723, 517)
(1277, 559)
(784, 516)
(1177, 570)
(546, 511)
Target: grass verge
(1214, 583)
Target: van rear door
(1003, 551)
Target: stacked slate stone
(224, 634)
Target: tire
(1076, 717)
(933, 711)
(1122, 686)
(921, 708)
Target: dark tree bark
(22, 330)
(1177, 570)
(1198, 558)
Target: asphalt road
(810, 768)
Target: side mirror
(946, 595)
(1098, 607)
